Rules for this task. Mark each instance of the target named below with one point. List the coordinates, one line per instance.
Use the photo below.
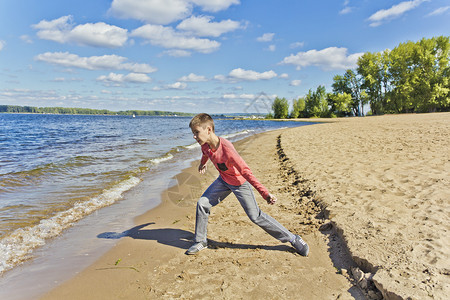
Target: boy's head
(202, 120)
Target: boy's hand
(271, 199)
(202, 169)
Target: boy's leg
(215, 193)
(244, 194)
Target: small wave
(158, 160)
(231, 135)
(165, 157)
(226, 136)
(18, 246)
(193, 146)
(14, 180)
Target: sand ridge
(385, 182)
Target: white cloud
(439, 11)
(177, 53)
(99, 35)
(27, 39)
(215, 5)
(266, 37)
(120, 78)
(166, 37)
(40, 97)
(284, 76)
(193, 78)
(174, 86)
(331, 58)
(105, 62)
(241, 74)
(202, 26)
(152, 11)
(137, 77)
(296, 82)
(220, 77)
(63, 79)
(272, 48)
(346, 10)
(2, 44)
(62, 30)
(394, 12)
(229, 96)
(54, 30)
(297, 45)
(241, 96)
(163, 12)
(177, 86)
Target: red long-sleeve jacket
(231, 166)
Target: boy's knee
(203, 202)
(254, 216)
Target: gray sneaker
(196, 248)
(300, 246)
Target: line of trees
(411, 78)
(84, 111)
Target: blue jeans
(218, 191)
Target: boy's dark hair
(202, 120)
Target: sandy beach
(369, 195)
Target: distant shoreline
(106, 115)
(85, 111)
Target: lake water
(55, 170)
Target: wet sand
(369, 195)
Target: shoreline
(61, 257)
(371, 177)
(145, 264)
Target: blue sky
(212, 56)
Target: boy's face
(201, 135)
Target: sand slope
(386, 183)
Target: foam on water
(235, 134)
(18, 246)
(159, 160)
(193, 146)
(226, 136)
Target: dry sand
(386, 184)
(380, 184)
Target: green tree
(280, 108)
(375, 80)
(432, 84)
(419, 73)
(403, 73)
(350, 83)
(316, 104)
(354, 82)
(340, 104)
(298, 108)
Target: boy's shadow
(169, 236)
(181, 238)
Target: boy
(235, 177)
